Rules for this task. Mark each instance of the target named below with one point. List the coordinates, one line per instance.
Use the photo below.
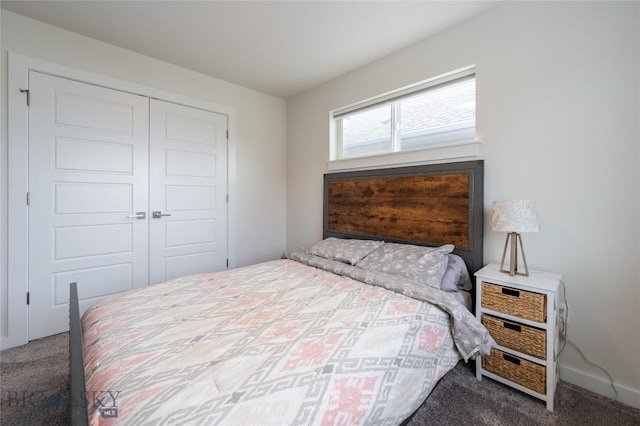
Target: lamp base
(513, 238)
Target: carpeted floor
(31, 377)
(460, 399)
(34, 381)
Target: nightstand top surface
(536, 279)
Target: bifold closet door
(88, 179)
(188, 191)
(124, 191)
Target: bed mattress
(278, 343)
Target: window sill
(443, 152)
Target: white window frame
(440, 151)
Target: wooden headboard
(427, 205)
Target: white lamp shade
(514, 216)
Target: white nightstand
(521, 313)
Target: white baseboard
(600, 386)
(7, 343)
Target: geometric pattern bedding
(278, 343)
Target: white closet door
(88, 174)
(188, 189)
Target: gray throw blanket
(470, 336)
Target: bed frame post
(77, 391)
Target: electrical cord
(564, 321)
(564, 326)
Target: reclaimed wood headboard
(426, 205)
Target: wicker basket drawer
(519, 303)
(516, 369)
(528, 340)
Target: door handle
(158, 215)
(138, 215)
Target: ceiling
(277, 47)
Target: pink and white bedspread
(278, 343)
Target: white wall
(557, 115)
(260, 139)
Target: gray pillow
(422, 264)
(456, 276)
(344, 250)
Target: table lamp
(514, 217)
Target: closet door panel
(188, 189)
(88, 174)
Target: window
(441, 111)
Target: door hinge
(227, 198)
(28, 198)
(227, 135)
(27, 298)
(227, 263)
(28, 97)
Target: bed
(336, 334)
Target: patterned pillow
(344, 250)
(422, 264)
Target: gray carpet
(34, 381)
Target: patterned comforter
(278, 343)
